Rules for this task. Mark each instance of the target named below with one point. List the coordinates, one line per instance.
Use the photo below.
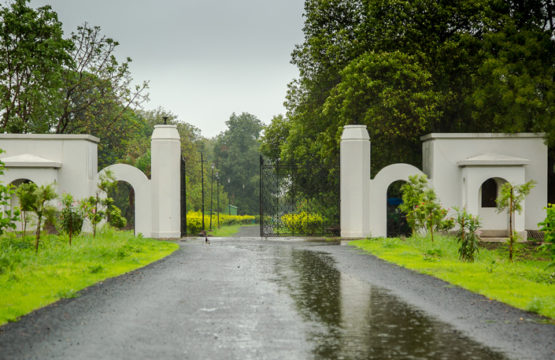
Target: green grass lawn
(29, 281)
(228, 230)
(525, 283)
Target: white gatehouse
(71, 162)
(466, 171)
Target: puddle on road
(350, 319)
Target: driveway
(252, 298)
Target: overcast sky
(205, 59)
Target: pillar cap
(355, 132)
(165, 132)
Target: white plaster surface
(71, 162)
(457, 165)
(165, 183)
(476, 157)
(355, 185)
(143, 197)
(378, 194)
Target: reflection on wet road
(350, 319)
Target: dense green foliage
(236, 153)
(33, 58)
(303, 223)
(407, 68)
(29, 281)
(526, 283)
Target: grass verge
(29, 281)
(228, 230)
(526, 284)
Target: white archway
(141, 186)
(491, 219)
(378, 194)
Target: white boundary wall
(456, 164)
(71, 162)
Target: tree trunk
(511, 234)
(24, 213)
(37, 239)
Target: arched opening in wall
(489, 192)
(26, 218)
(489, 217)
(124, 198)
(396, 220)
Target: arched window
(489, 193)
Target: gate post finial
(355, 182)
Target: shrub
(26, 193)
(115, 218)
(413, 193)
(548, 227)
(422, 208)
(467, 235)
(101, 206)
(8, 216)
(303, 222)
(194, 220)
(41, 208)
(71, 217)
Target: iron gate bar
(260, 198)
(183, 198)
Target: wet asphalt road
(248, 298)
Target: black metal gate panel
(279, 200)
(276, 197)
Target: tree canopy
(407, 68)
(237, 157)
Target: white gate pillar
(355, 182)
(165, 168)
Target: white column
(165, 169)
(355, 182)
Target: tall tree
(405, 68)
(236, 152)
(33, 56)
(97, 89)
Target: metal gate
(280, 201)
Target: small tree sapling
(26, 193)
(71, 217)
(41, 208)
(467, 235)
(510, 199)
(100, 206)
